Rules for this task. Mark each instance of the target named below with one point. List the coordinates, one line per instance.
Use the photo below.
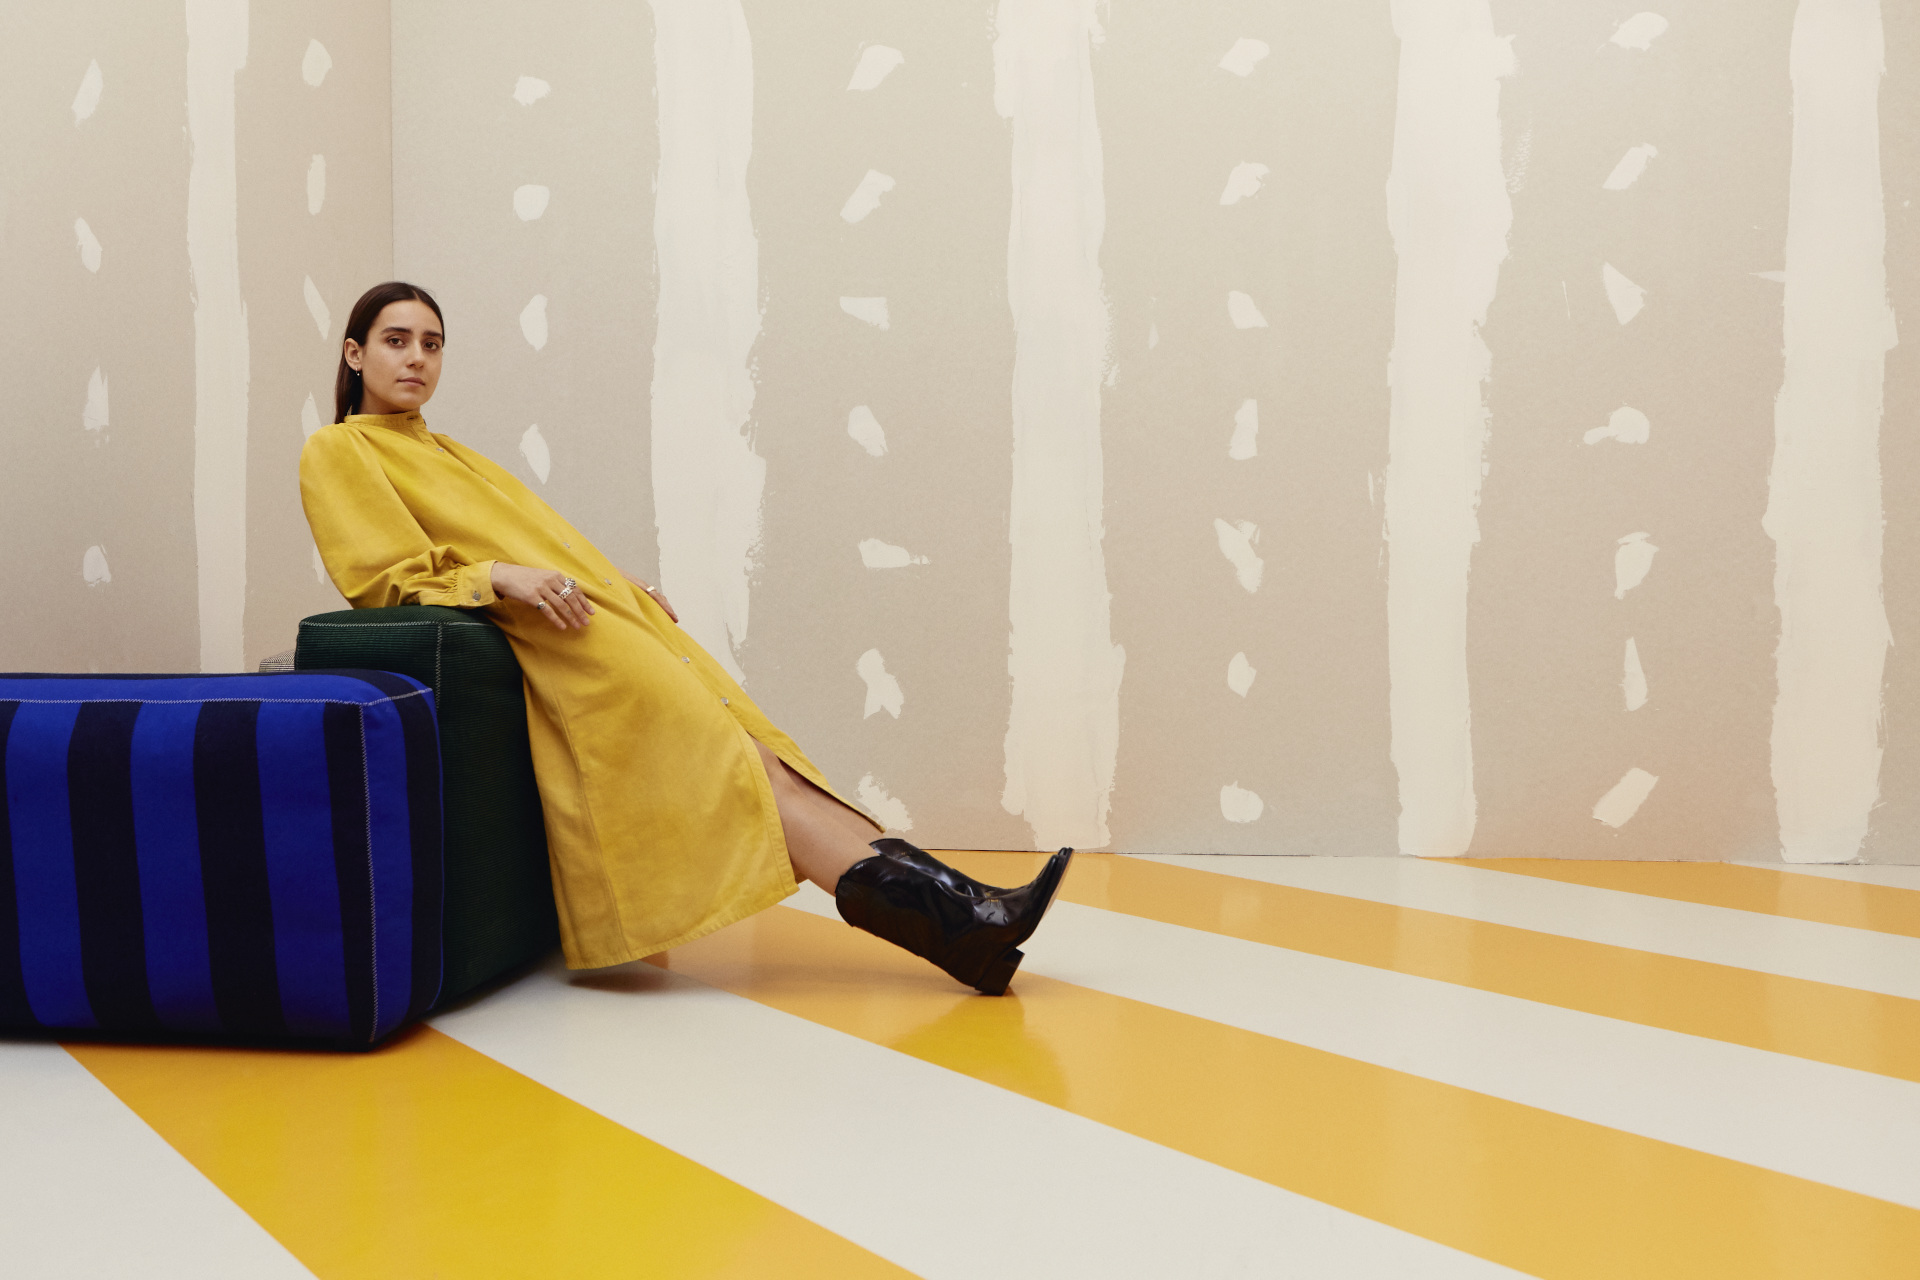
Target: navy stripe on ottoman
(252, 855)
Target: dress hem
(641, 952)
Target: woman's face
(400, 363)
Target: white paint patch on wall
(1246, 431)
(1245, 55)
(883, 691)
(877, 62)
(1824, 507)
(1632, 558)
(1063, 729)
(1640, 31)
(317, 307)
(88, 97)
(1237, 804)
(891, 812)
(89, 245)
(1236, 544)
(1634, 682)
(1631, 166)
(1244, 182)
(1626, 297)
(1240, 674)
(530, 201)
(866, 197)
(1625, 424)
(533, 447)
(533, 321)
(707, 480)
(866, 432)
(876, 554)
(316, 184)
(320, 568)
(93, 416)
(528, 90)
(309, 416)
(1625, 799)
(871, 310)
(1243, 313)
(316, 63)
(216, 52)
(93, 567)
(1449, 211)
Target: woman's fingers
(579, 608)
(568, 603)
(547, 591)
(551, 605)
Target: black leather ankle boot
(958, 881)
(971, 930)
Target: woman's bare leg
(824, 837)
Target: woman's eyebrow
(404, 331)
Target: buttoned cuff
(473, 586)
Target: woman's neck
(373, 404)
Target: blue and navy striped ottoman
(247, 856)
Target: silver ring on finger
(539, 604)
(570, 582)
(566, 591)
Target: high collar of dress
(411, 423)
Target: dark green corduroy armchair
(499, 903)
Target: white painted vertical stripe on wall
(1823, 506)
(1449, 213)
(707, 480)
(216, 51)
(1064, 729)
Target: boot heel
(998, 974)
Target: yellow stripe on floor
(426, 1158)
(1875, 907)
(1842, 1026)
(1540, 1192)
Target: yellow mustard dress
(661, 824)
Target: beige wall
(1315, 735)
(128, 487)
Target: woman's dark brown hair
(346, 383)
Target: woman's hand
(654, 592)
(546, 590)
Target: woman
(673, 806)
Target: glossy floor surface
(1208, 1067)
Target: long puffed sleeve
(374, 550)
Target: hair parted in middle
(347, 386)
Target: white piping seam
(182, 702)
(428, 622)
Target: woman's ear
(351, 354)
